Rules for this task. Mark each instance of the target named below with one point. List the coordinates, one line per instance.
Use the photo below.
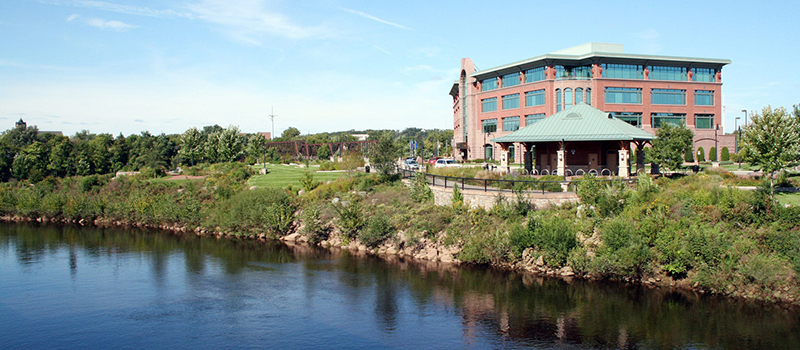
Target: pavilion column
(624, 168)
(504, 156)
(639, 156)
(561, 166)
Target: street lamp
(745, 116)
(739, 134)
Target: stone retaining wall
(486, 200)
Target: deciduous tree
(670, 144)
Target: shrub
(314, 227)
(458, 199)
(377, 229)
(725, 154)
(420, 192)
(254, 211)
(350, 219)
(712, 154)
(688, 157)
(307, 181)
(701, 155)
(554, 237)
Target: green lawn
(788, 198)
(280, 176)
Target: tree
(256, 147)
(385, 154)
(772, 140)
(725, 154)
(712, 154)
(290, 133)
(701, 154)
(192, 146)
(670, 144)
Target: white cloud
(246, 20)
(113, 25)
(368, 16)
(118, 8)
(72, 18)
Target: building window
(589, 97)
(567, 98)
(536, 74)
(511, 123)
(561, 73)
(558, 100)
(623, 95)
(489, 125)
(704, 98)
(488, 84)
(667, 73)
(631, 118)
(659, 119)
(578, 95)
(533, 118)
(512, 154)
(668, 97)
(489, 104)
(511, 79)
(488, 152)
(534, 98)
(704, 121)
(622, 71)
(511, 101)
(704, 74)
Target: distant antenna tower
(272, 118)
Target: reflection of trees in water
(522, 309)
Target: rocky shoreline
(426, 250)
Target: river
(108, 288)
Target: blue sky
(124, 66)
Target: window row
(701, 121)
(570, 98)
(509, 123)
(613, 71)
(657, 96)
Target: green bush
(701, 155)
(458, 199)
(377, 229)
(307, 181)
(314, 227)
(554, 237)
(712, 154)
(350, 220)
(725, 154)
(256, 211)
(420, 192)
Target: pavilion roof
(578, 123)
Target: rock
(302, 239)
(252, 188)
(567, 271)
(696, 284)
(651, 280)
(540, 260)
(292, 237)
(335, 200)
(391, 250)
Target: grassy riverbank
(690, 232)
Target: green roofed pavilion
(580, 139)
(579, 123)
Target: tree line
(29, 154)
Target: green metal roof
(578, 123)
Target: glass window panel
(536, 74)
(511, 79)
(631, 118)
(589, 97)
(489, 104)
(488, 84)
(533, 118)
(659, 119)
(668, 97)
(511, 101)
(667, 73)
(704, 98)
(623, 95)
(704, 121)
(534, 98)
(622, 71)
(558, 100)
(511, 123)
(489, 125)
(488, 152)
(704, 74)
(578, 95)
(567, 98)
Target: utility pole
(272, 118)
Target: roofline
(600, 56)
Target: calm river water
(92, 288)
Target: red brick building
(642, 90)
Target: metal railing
(499, 185)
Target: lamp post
(745, 116)
(739, 134)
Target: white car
(410, 164)
(446, 163)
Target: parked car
(446, 163)
(410, 164)
(433, 160)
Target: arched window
(589, 97)
(558, 100)
(567, 98)
(578, 95)
(488, 152)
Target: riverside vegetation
(690, 231)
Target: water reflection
(299, 296)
